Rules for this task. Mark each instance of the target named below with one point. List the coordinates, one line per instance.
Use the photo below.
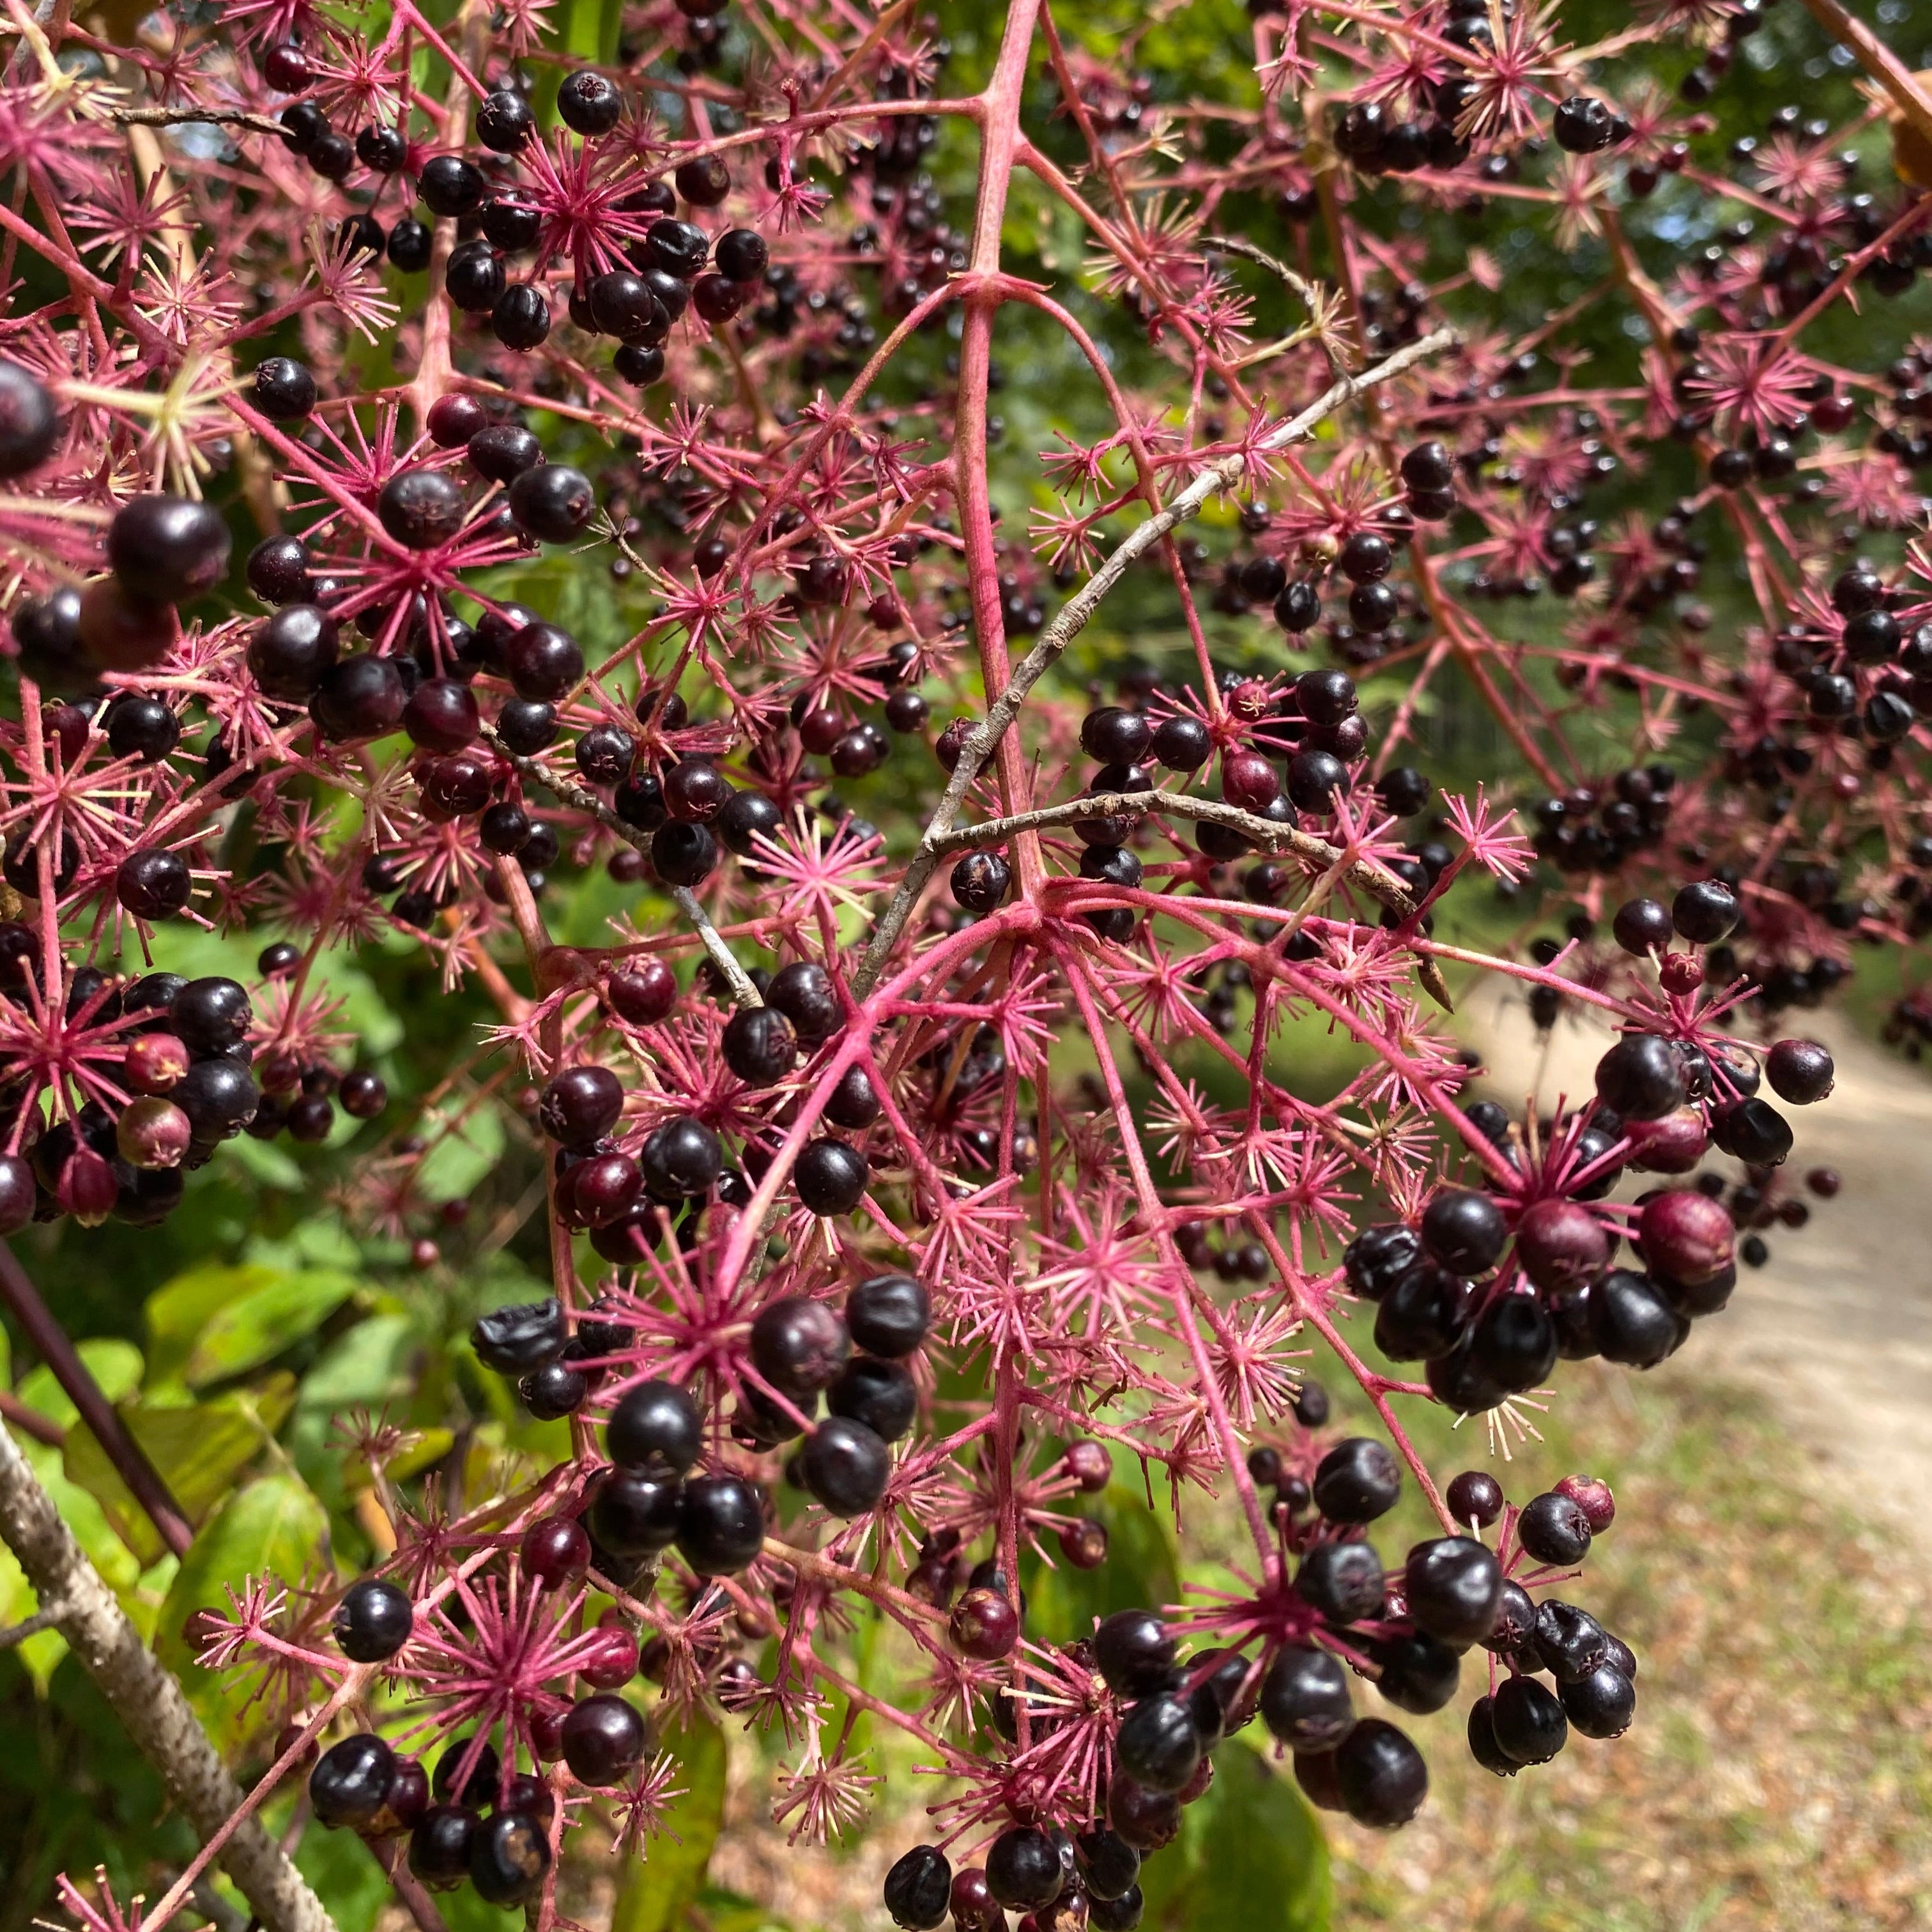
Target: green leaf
(1250, 1853)
(1139, 1573)
(461, 1155)
(258, 1326)
(653, 1896)
(274, 1528)
(197, 1449)
(213, 1321)
(341, 1868)
(364, 1368)
(181, 1307)
(114, 1364)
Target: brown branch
(184, 117)
(31, 1421)
(1264, 832)
(1073, 618)
(146, 1698)
(129, 1458)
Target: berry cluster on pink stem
(890, 1082)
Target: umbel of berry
(373, 1621)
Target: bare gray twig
(1073, 618)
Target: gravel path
(1837, 1327)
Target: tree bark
(146, 1698)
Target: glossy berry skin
(984, 1625)
(603, 1738)
(882, 1396)
(1630, 1321)
(798, 1345)
(552, 502)
(1157, 1744)
(554, 1550)
(643, 993)
(1704, 911)
(1475, 1496)
(373, 1621)
(1133, 1651)
(1379, 1257)
(29, 423)
(439, 1846)
(1182, 744)
(1642, 926)
(980, 881)
(421, 509)
(1601, 1704)
(1464, 1230)
(637, 1512)
(211, 1014)
(580, 1105)
(1642, 1077)
(1753, 1131)
(167, 549)
(760, 1045)
(1528, 1721)
(741, 254)
(723, 1524)
(1554, 1529)
(1560, 1242)
(363, 1094)
(680, 1158)
(1685, 1236)
(655, 1422)
(830, 1177)
(1304, 1698)
(1419, 1673)
(589, 103)
(846, 1466)
(1381, 1775)
(1801, 1071)
(1342, 1580)
(1452, 1588)
(1023, 1869)
(504, 121)
(290, 653)
(684, 854)
(1116, 1915)
(1583, 125)
(351, 1780)
(143, 727)
(1358, 1480)
(153, 885)
(919, 1889)
(520, 1336)
(888, 1315)
(509, 1859)
(450, 186)
(283, 389)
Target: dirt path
(1837, 1327)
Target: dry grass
(1779, 1772)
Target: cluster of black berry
(190, 1073)
(161, 551)
(1596, 828)
(1407, 1631)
